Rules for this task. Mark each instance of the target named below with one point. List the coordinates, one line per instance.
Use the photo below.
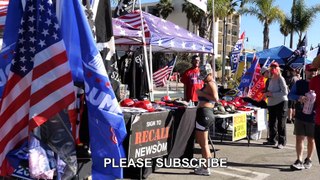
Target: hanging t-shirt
(124, 66)
(137, 80)
(192, 83)
(113, 73)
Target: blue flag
(6, 56)
(248, 76)
(106, 122)
(10, 37)
(71, 37)
(235, 54)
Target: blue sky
(254, 28)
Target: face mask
(273, 71)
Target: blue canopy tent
(279, 54)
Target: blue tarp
(279, 54)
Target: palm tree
(303, 17)
(194, 14)
(165, 8)
(292, 15)
(285, 28)
(266, 13)
(222, 9)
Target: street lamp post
(225, 28)
(224, 40)
(213, 62)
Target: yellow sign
(239, 126)
(239, 71)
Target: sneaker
(203, 171)
(280, 146)
(297, 165)
(307, 163)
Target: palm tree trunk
(188, 25)
(284, 40)
(266, 36)
(300, 38)
(292, 19)
(209, 29)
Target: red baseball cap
(223, 102)
(145, 104)
(127, 103)
(274, 64)
(166, 98)
(309, 67)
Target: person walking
(292, 79)
(277, 92)
(207, 96)
(190, 79)
(315, 86)
(304, 123)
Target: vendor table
(232, 125)
(239, 125)
(180, 141)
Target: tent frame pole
(151, 93)
(150, 86)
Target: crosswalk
(241, 173)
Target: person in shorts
(304, 123)
(293, 78)
(207, 97)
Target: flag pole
(133, 4)
(168, 80)
(151, 73)
(145, 54)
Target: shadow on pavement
(281, 167)
(227, 143)
(175, 173)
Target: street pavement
(255, 162)
(175, 90)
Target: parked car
(175, 77)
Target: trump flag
(106, 122)
(235, 54)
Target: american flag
(134, 20)
(3, 12)
(161, 75)
(39, 83)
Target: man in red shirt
(315, 85)
(191, 81)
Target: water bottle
(190, 103)
(308, 106)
